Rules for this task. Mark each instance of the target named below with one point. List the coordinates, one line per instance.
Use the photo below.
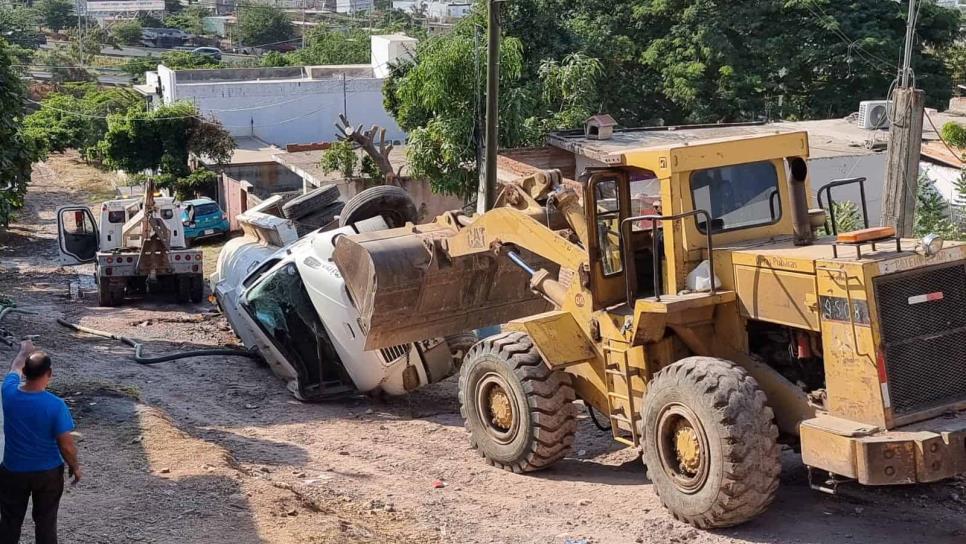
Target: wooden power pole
(905, 145)
(486, 196)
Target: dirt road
(216, 451)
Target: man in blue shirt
(36, 428)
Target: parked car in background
(202, 218)
(212, 52)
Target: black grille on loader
(922, 315)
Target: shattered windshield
(282, 309)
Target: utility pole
(486, 195)
(905, 144)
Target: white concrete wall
(291, 111)
(388, 49)
(352, 6)
(872, 167)
(167, 80)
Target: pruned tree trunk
(377, 151)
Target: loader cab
(649, 224)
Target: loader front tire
(710, 443)
(519, 413)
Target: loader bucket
(407, 289)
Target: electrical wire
(868, 58)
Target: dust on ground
(215, 450)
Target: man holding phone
(36, 427)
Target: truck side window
(607, 198)
(167, 213)
(737, 196)
(116, 216)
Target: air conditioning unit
(873, 114)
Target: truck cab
(137, 246)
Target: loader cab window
(737, 197)
(608, 225)
(282, 309)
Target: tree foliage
(56, 14)
(162, 141)
(176, 60)
(341, 157)
(954, 134)
(18, 150)
(325, 45)
(933, 212)
(188, 20)
(18, 26)
(260, 25)
(127, 32)
(76, 118)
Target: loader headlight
(932, 244)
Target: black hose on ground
(590, 412)
(138, 347)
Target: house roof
(827, 137)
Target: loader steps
(620, 395)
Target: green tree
(954, 134)
(324, 45)
(932, 211)
(127, 32)
(436, 100)
(76, 118)
(260, 25)
(18, 26)
(188, 20)
(340, 157)
(176, 60)
(847, 216)
(56, 14)
(18, 149)
(162, 140)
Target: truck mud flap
(406, 287)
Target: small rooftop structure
(599, 127)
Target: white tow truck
(285, 298)
(138, 247)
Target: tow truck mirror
(77, 235)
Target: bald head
(37, 366)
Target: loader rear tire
(391, 202)
(518, 412)
(710, 443)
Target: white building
(961, 4)
(435, 10)
(294, 104)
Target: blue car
(202, 218)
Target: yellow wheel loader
(689, 292)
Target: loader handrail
(656, 261)
(830, 226)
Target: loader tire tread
(749, 451)
(549, 396)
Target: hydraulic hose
(139, 347)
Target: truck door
(77, 235)
(606, 202)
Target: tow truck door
(76, 235)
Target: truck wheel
(107, 294)
(310, 202)
(197, 293)
(184, 288)
(391, 202)
(710, 442)
(519, 413)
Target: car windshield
(737, 196)
(207, 209)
